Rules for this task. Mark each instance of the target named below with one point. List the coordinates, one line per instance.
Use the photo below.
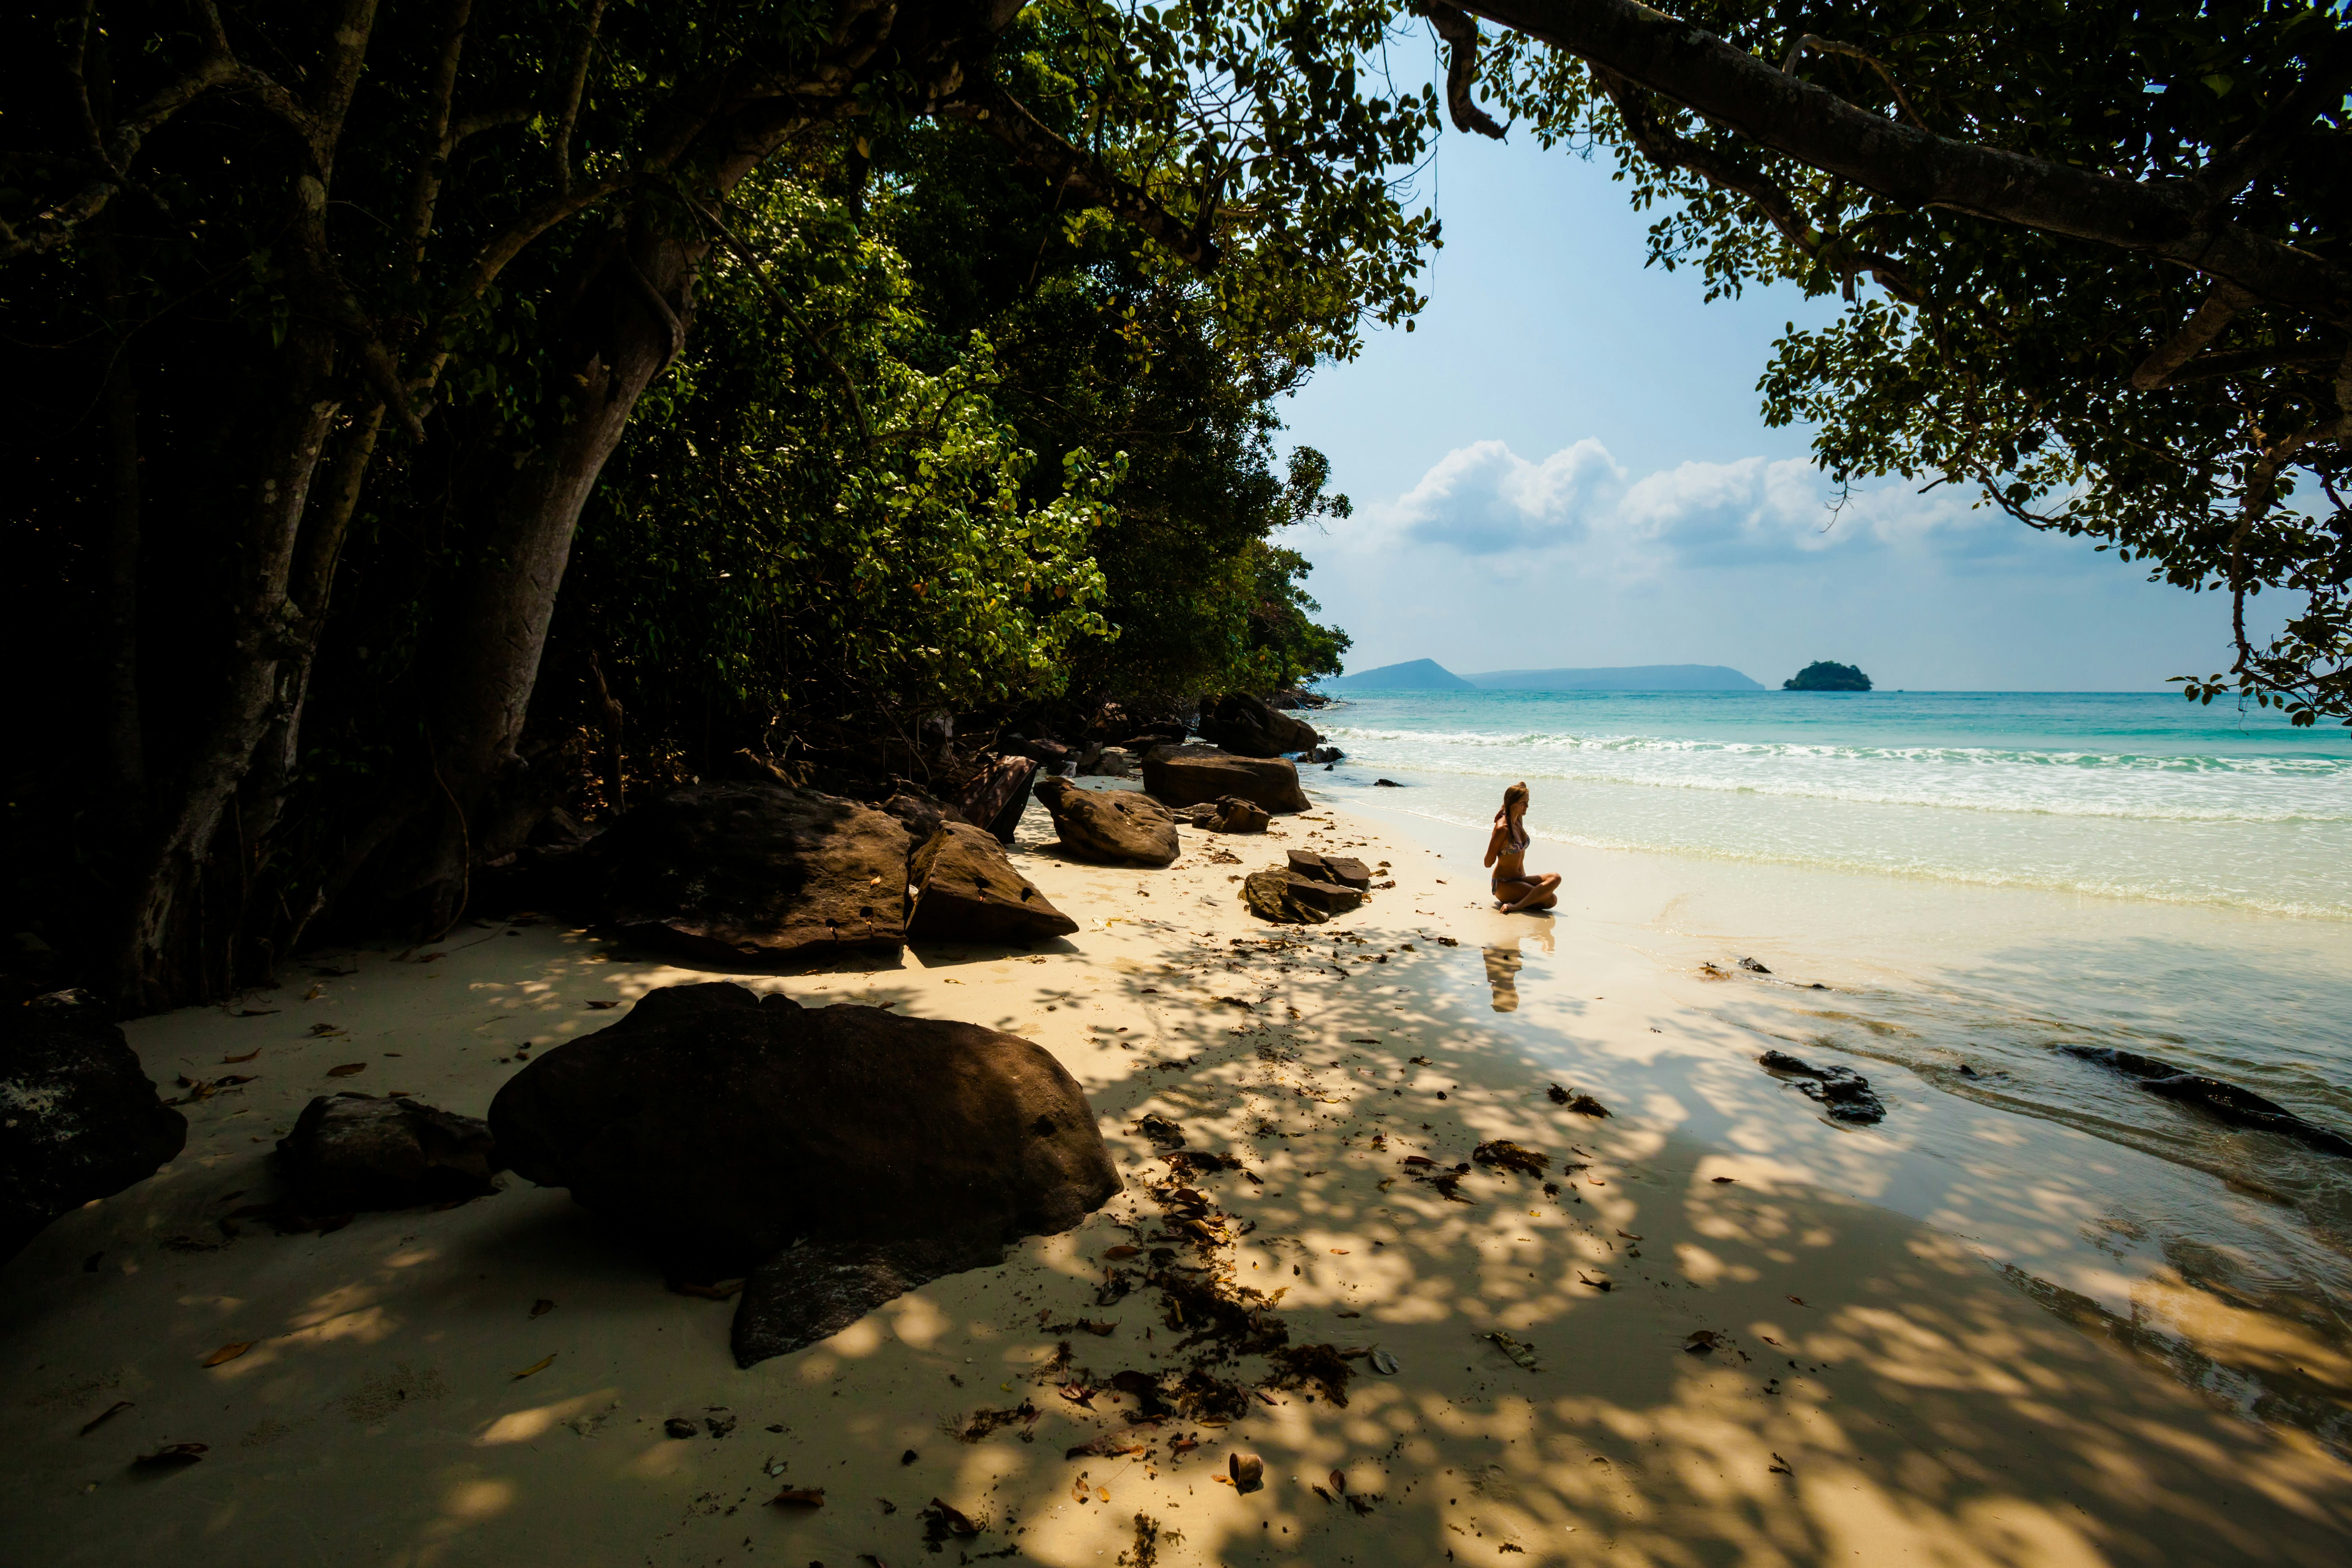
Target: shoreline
(1923, 1404)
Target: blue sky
(1564, 465)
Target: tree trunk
(125, 733)
(636, 311)
(153, 961)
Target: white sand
(1881, 1393)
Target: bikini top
(1515, 836)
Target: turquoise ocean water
(1982, 879)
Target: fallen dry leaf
(600, 1006)
(229, 1352)
(796, 1497)
(1121, 1250)
(346, 1069)
(957, 1522)
(105, 1416)
(540, 1308)
(1701, 1343)
(1339, 1483)
(718, 1291)
(322, 1030)
(232, 1061)
(539, 1365)
(1720, 1181)
(1799, 1300)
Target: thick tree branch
(1079, 175)
(2243, 362)
(1822, 46)
(1662, 147)
(2202, 327)
(1460, 31)
(573, 82)
(2172, 220)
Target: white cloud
(1484, 499)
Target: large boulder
(842, 1147)
(750, 871)
(1187, 775)
(998, 795)
(353, 1152)
(1250, 727)
(963, 889)
(1112, 824)
(79, 1118)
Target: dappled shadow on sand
(1772, 1375)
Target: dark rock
(2237, 1106)
(1386, 784)
(1248, 727)
(1110, 825)
(1843, 1092)
(1187, 775)
(353, 1152)
(750, 871)
(1326, 756)
(1753, 967)
(719, 1127)
(1283, 895)
(79, 1116)
(1228, 813)
(1344, 869)
(1109, 762)
(1051, 755)
(964, 889)
(918, 813)
(998, 795)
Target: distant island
(1428, 675)
(1823, 675)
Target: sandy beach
(1714, 1328)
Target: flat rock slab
(1344, 869)
(1114, 825)
(79, 1118)
(351, 1151)
(964, 889)
(2229, 1102)
(747, 870)
(1189, 775)
(811, 1292)
(716, 1127)
(998, 795)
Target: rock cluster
(1307, 890)
(837, 1155)
(1843, 1092)
(1227, 814)
(79, 1118)
(761, 871)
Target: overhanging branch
(1080, 175)
(2172, 220)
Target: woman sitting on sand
(1515, 890)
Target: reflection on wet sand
(1503, 964)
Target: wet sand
(1869, 1383)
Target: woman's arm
(1493, 846)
